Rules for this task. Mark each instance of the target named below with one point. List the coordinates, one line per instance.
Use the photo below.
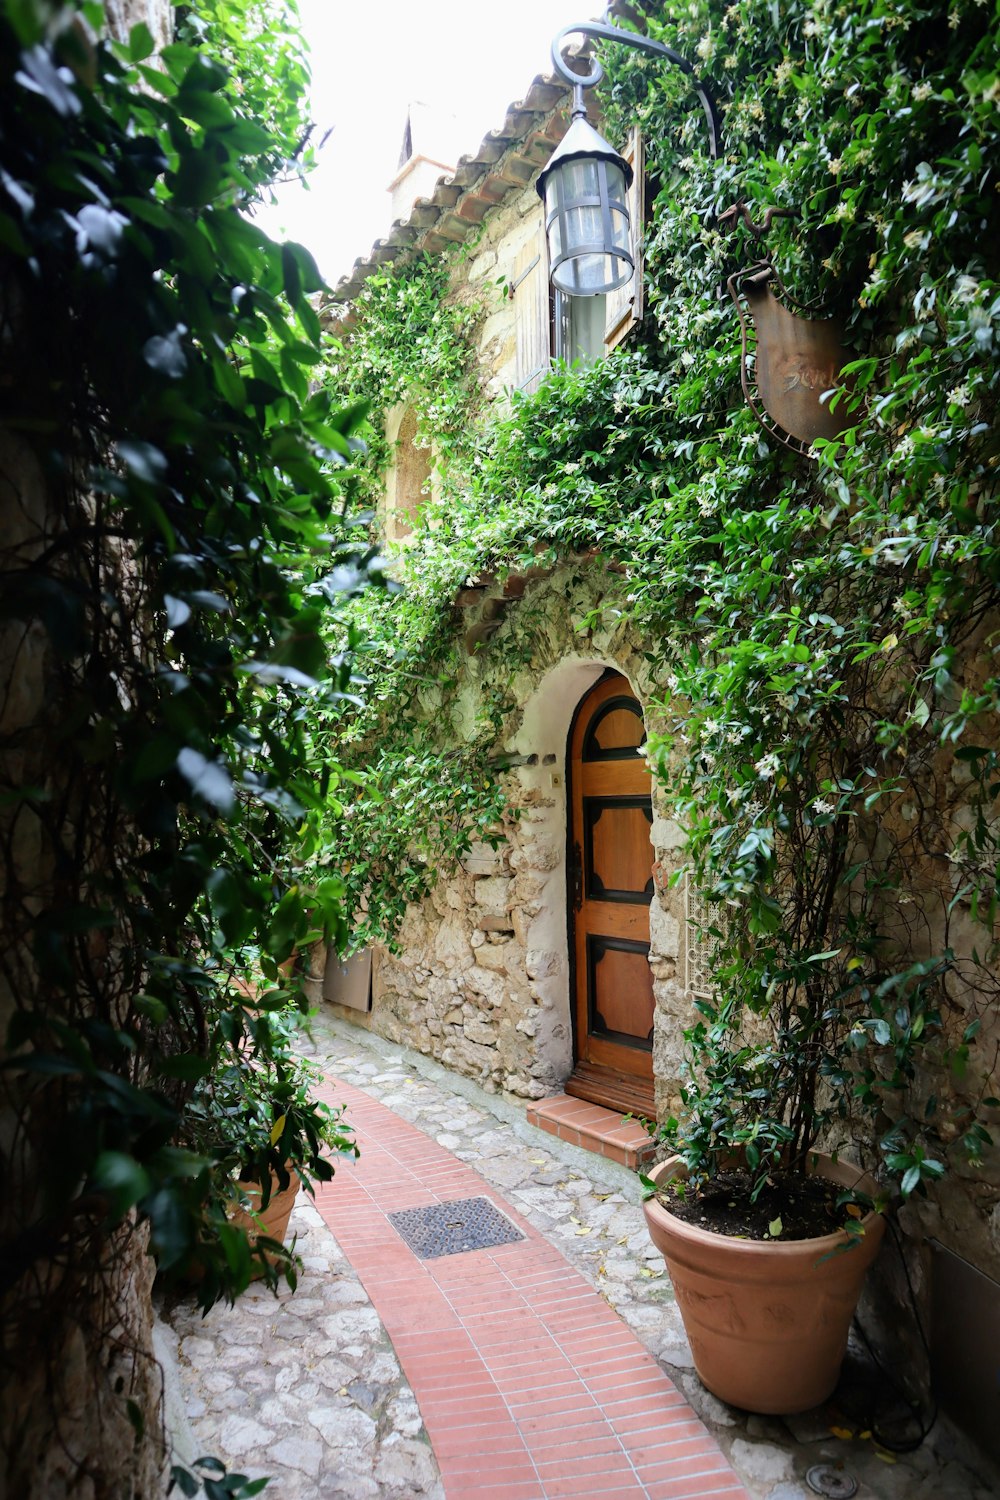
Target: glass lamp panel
(619, 230)
(617, 191)
(584, 229)
(577, 179)
(591, 274)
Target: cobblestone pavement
(308, 1389)
(304, 1387)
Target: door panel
(616, 848)
(611, 889)
(620, 992)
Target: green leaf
(188, 1067)
(178, 611)
(211, 1466)
(184, 1480)
(166, 355)
(911, 1178)
(143, 460)
(208, 779)
(141, 43)
(122, 1179)
(39, 74)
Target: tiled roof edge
(461, 199)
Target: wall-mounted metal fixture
(584, 184)
(791, 356)
(790, 361)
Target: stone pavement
(304, 1387)
(308, 1388)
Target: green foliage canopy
(192, 545)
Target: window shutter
(562, 321)
(624, 307)
(530, 291)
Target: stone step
(596, 1129)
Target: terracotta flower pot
(767, 1321)
(271, 1221)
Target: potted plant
(256, 1118)
(766, 1237)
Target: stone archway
(542, 738)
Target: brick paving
(529, 1384)
(385, 1374)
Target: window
(574, 328)
(623, 308)
(408, 481)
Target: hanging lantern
(584, 189)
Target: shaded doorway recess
(610, 875)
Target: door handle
(577, 872)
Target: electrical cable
(869, 1422)
(894, 1445)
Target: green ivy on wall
(823, 630)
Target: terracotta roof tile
(462, 199)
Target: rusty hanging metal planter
(789, 359)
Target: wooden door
(611, 886)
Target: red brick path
(530, 1386)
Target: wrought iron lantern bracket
(601, 31)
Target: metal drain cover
(836, 1484)
(451, 1228)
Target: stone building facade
(486, 979)
(482, 979)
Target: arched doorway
(610, 878)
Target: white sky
(370, 58)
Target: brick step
(593, 1127)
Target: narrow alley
(553, 1364)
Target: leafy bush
(178, 543)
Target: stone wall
(491, 269)
(481, 981)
